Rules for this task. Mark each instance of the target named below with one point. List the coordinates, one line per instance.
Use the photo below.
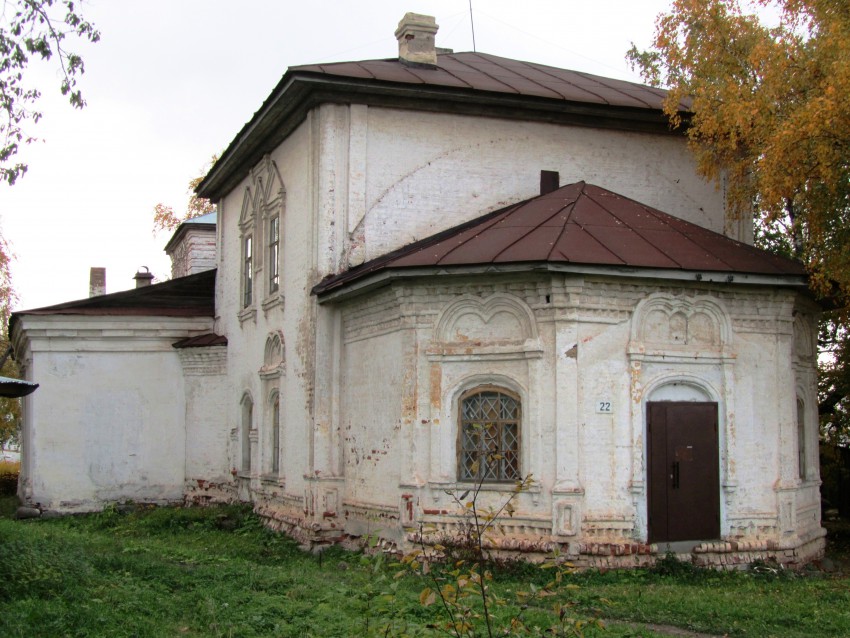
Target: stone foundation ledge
(726, 547)
(529, 545)
(739, 555)
(616, 549)
(203, 492)
(310, 535)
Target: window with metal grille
(274, 254)
(247, 272)
(489, 435)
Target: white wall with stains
(109, 421)
(369, 386)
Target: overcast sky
(172, 81)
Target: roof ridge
(583, 191)
(632, 228)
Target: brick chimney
(415, 35)
(549, 181)
(97, 282)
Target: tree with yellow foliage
(164, 217)
(769, 113)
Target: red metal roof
(484, 72)
(578, 224)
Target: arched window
(276, 433)
(489, 435)
(247, 418)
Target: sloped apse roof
(577, 224)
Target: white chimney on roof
(415, 35)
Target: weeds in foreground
(458, 571)
(215, 571)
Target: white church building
(437, 271)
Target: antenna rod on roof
(472, 24)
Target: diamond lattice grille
(489, 437)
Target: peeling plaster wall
(108, 424)
(587, 341)
(352, 194)
(373, 433)
(288, 174)
(369, 387)
(205, 387)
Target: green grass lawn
(218, 572)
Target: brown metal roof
(578, 224)
(201, 341)
(192, 296)
(485, 72)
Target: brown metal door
(684, 475)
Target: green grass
(217, 572)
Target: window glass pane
(509, 408)
(248, 273)
(274, 253)
(801, 439)
(276, 436)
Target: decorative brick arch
(500, 318)
(274, 356)
(667, 322)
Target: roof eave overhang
(182, 230)
(383, 278)
(298, 92)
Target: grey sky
(173, 81)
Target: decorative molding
(804, 338)
(247, 314)
(274, 301)
(207, 361)
(499, 319)
(667, 326)
(246, 216)
(268, 185)
(274, 358)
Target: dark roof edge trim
(386, 277)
